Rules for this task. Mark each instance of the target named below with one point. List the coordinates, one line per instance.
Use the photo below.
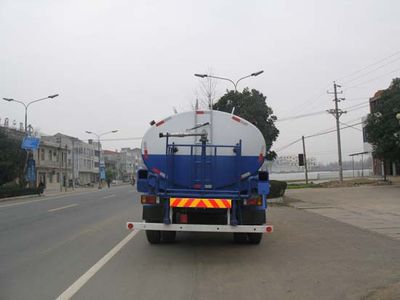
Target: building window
(42, 154)
(50, 155)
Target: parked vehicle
(203, 175)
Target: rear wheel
(153, 236)
(239, 237)
(168, 236)
(255, 238)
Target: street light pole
(230, 80)
(226, 79)
(98, 147)
(26, 106)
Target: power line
(368, 66)
(302, 116)
(288, 145)
(351, 126)
(375, 78)
(350, 108)
(355, 119)
(308, 103)
(358, 99)
(357, 106)
(330, 131)
(315, 135)
(371, 71)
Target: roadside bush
(6, 192)
(277, 188)
(10, 185)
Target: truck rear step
(200, 227)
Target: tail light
(183, 218)
(253, 201)
(148, 199)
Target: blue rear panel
(188, 171)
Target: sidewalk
(56, 191)
(375, 208)
(51, 192)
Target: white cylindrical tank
(222, 166)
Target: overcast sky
(120, 64)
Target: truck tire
(255, 238)
(239, 237)
(168, 236)
(153, 236)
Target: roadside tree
(382, 127)
(12, 159)
(252, 106)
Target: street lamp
(98, 146)
(230, 80)
(26, 105)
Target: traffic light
(301, 159)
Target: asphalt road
(47, 244)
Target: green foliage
(12, 159)
(277, 188)
(303, 186)
(110, 174)
(252, 106)
(382, 128)
(18, 191)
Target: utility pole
(60, 158)
(99, 150)
(73, 163)
(337, 113)
(66, 168)
(305, 159)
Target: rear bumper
(200, 227)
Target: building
(52, 165)
(392, 168)
(65, 161)
(124, 163)
(138, 160)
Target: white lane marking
(46, 199)
(77, 285)
(106, 197)
(63, 207)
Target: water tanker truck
(203, 175)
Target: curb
(275, 200)
(45, 195)
(19, 197)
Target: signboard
(30, 143)
(31, 171)
(103, 173)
